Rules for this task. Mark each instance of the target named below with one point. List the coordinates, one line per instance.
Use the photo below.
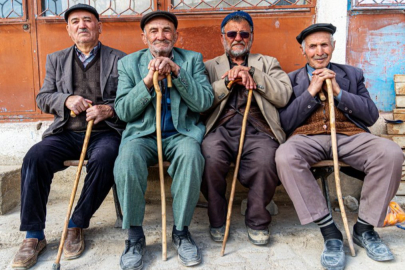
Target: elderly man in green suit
(182, 133)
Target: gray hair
(332, 40)
(236, 19)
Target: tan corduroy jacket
(273, 89)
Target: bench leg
(118, 222)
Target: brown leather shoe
(74, 244)
(28, 253)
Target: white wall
(335, 12)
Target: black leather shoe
(217, 234)
(333, 257)
(189, 253)
(375, 248)
(131, 258)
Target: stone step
(9, 188)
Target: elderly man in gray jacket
(271, 90)
(76, 77)
(306, 120)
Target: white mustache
(83, 30)
(323, 56)
(238, 42)
(161, 42)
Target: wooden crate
(399, 81)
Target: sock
(72, 224)
(328, 228)
(35, 234)
(182, 232)
(135, 233)
(362, 226)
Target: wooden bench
(322, 170)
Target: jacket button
(350, 111)
(309, 106)
(187, 130)
(345, 108)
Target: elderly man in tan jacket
(271, 90)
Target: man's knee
(285, 154)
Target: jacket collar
(254, 60)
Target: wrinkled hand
(99, 113)
(319, 77)
(77, 104)
(164, 65)
(241, 72)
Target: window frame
(21, 19)
(355, 6)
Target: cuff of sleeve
(339, 97)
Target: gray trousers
(380, 159)
(131, 174)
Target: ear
(175, 37)
(144, 38)
(302, 50)
(99, 27)
(67, 29)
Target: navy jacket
(355, 101)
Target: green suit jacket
(191, 94)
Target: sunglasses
(233, 34)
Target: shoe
(333, 256)
(258, 237)
(28, 253)
(74, 243)
(131, 258)
(375, 248)
(217, 234)
(189, 253)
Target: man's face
(83, 27)
(318, 49)
(160, 35)
(237, 46)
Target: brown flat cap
(155, 14)
(317, 27)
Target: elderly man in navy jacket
(306, 120)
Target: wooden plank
(399, 78)
(396, 129)
(399, 139)
(399, 111)
(400, 101)
(399, 116)
(400, 88)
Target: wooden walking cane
(160, 156)
(336, 164)
(56, 265)
(235, 174)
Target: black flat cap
(317, 27)
(81, 7)
(155, 14)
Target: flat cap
(317, 27)
(155, 14)
(81, 7)
(238, 13)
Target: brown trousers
(380, 159)
(257, 172)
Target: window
(377, 4)
(108, 8)
(220, 5)
(11, 9)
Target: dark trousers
(47, 157)
(257, 172)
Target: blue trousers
(47, 157)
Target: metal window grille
(222, 5)
(106, 8)
(11, 9)
(378, 4)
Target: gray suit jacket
(273, 89)
(57, 86)
(355, 102)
